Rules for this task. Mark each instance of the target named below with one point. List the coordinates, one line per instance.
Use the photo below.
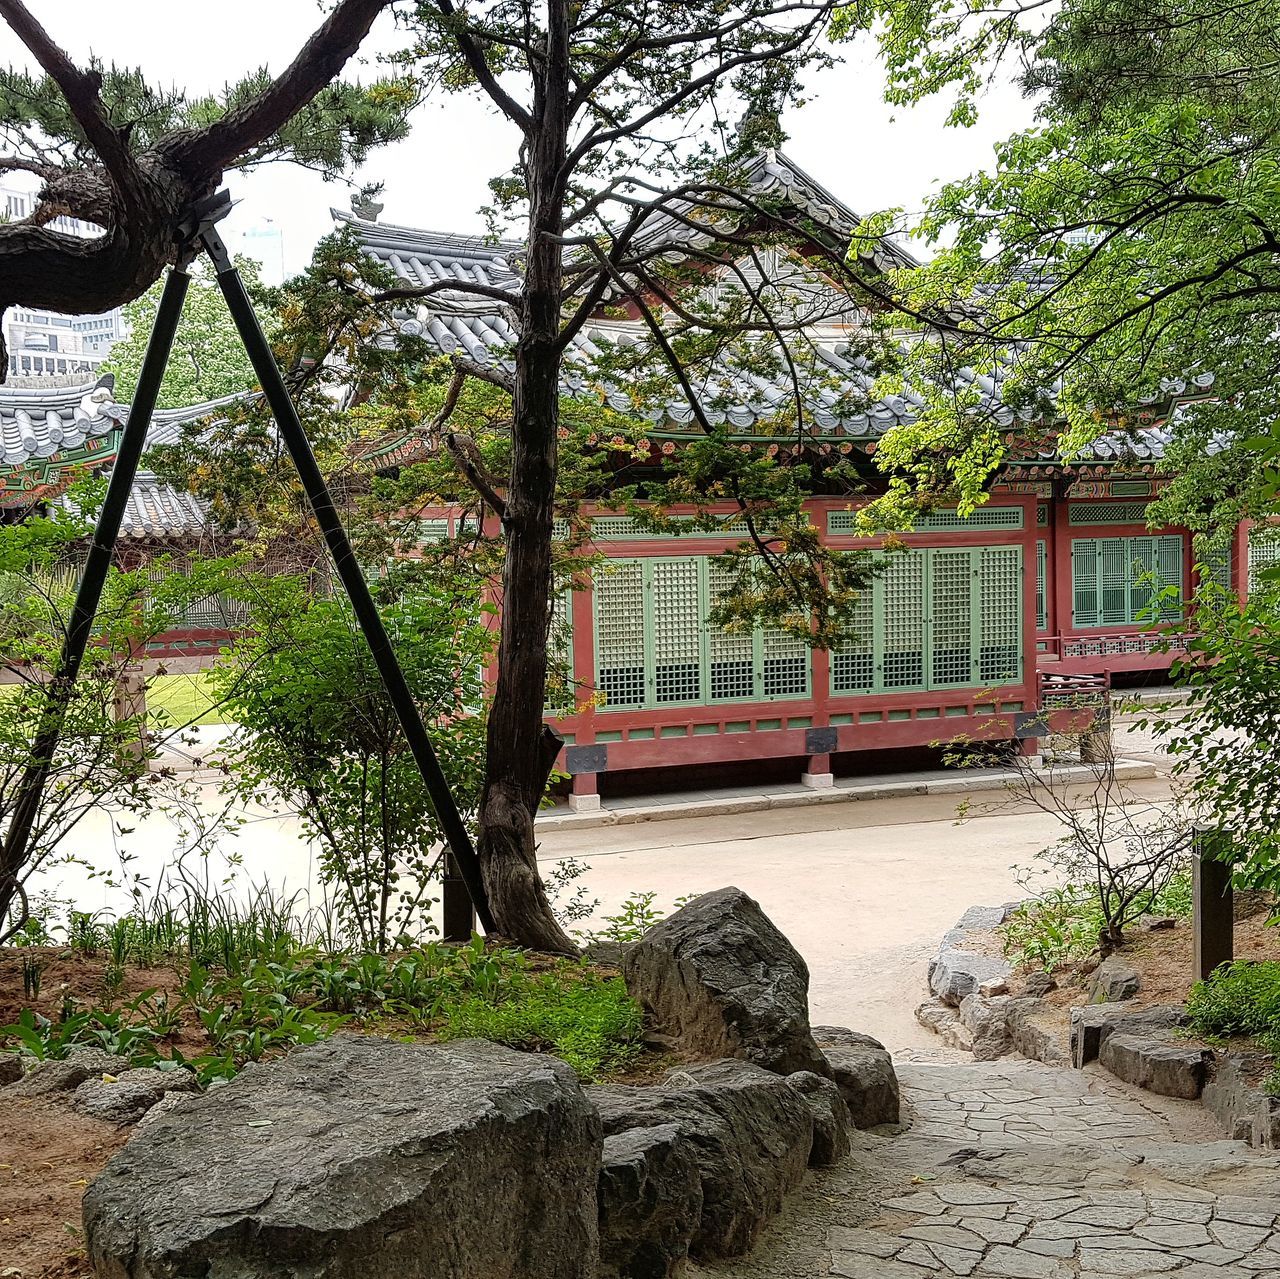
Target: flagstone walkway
(1014, 1170)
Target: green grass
(185, 699)
(590, 1022)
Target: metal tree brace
(463, 884)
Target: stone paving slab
(1016, 1170)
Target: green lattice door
(902, 622)
(1114, 579)
(730, 654)
(951, 600)
(674, 598)
(620, 633)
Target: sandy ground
(864, 890)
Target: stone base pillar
(584, 793)
(817, 774)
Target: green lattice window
(1264, 551)
(654, 647)
(936, 619)
(560, 692)
(1214, 565)
(1042, 595)
(1114, 579)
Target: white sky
(845, 136)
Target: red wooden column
(1059, 579)
(584, 784)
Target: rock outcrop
(359, 1157)
(863, 1071)
(125, 1098)
(650, 1200)
(1113, 981)
(721, 979)
(831, 1118)
(957, 970)
(1173, 1070)
(1093, 1024)
(749, 1131)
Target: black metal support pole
(133, 441)
(295, 438)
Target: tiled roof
(39, 427)
(837, 382)
(38, 423)
(157, 510)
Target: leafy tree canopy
(208, 359)
(1121, 255)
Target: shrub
(1239, 999)
(1053, 929)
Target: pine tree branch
(317, 65)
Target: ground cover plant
(214, 998)
(1240, 1000)
(1061, 924)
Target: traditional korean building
(971, 632)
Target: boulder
(1113, 981)
(749, 1131)
(10, 1068)
(721, 978)
(1246, 1111)
(863, 1071)
(831, 1118)
(49, 1077)
(1033, 1040)
(987, 1021)
(125, 1098)
(1172, 1070)
(358, 1157)
(957, 971)
(1093, 1024)
(944, 1021)
(650, 1200)
(1038, 985)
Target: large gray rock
(863, 1071)
(987, 1021)
(10, 1068)
(1031, 1029)
(956, 970)
(125, 1098)
(650, 1200)
(1113, 981)
(361, 1157)
(1093, 1024)
(1246, 1112)
(49, 1077)
(721, 978)
(750, 1132)
(831, 1118)
(1173, 1070)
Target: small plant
(635, 917)
(32, 976)
(84, 933)
(1058, 927)
(1239, 999)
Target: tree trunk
(516, 767)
